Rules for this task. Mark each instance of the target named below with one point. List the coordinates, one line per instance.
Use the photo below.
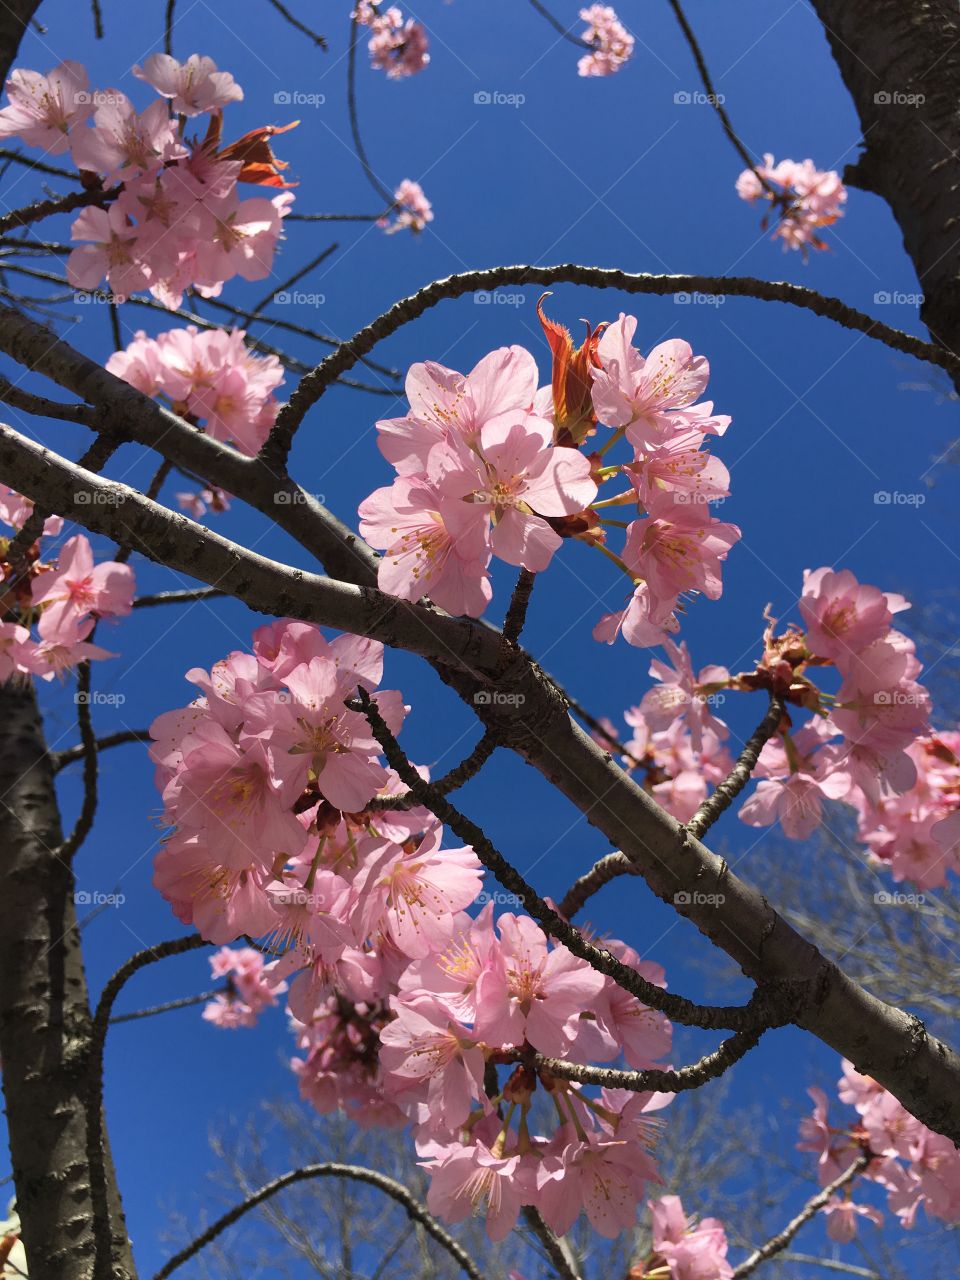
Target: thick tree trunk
(44, 1010)
(900, 60)
(14, 16)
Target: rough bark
(44, 1009)
(900, 61)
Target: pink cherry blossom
(193, 87)
(122, 142)
(428, 1055)
(517, 477)
(432, 545)
(44, 109)
(446, 405)
(397, 46)
(613, 42)
(677, 696)
(466, 1180)
(248, 995)
(77, 586)
(802, 198)
(692, 1250)
(843, 617)
(531, 992)
(412, 210)
(15, 510)
(644, 394)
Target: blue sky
(620, 172)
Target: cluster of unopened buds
(488, 465)
(916, 1167)
(397, 45)
(171, 217)
(612, 42)
(802, 199)
(50, 607)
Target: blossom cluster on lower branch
(917, 1168)
(51, 606)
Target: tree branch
(727, 791)
(415, 1210)
(776, 1244)
(314, 384)
(60, 759)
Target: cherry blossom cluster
(280, 828)
(683, 1248)
(411, 209)
(397, 45)
(916, 1167)
(801, 197)
(613, 43)
(677, 742)
(208, 377)
(247, 993)
(902, 780)
(177, 220)
(51, 607)
(868, 743)
(488, 465)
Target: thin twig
(100, 1205)
(396, 1190)
(320, 41)
(779, 1242)
(188, 596)
(676, 1007)
(565, 32)
(183, 1003)
(457, 777)
(602, 872)
(58, 204)
(710, 1067)
(88, 742)
(556, 1249)
(715, 99)
(727, 791)
(314, 384)
(383, 192)
(60, 759)
(297, 276)
(40, 166)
